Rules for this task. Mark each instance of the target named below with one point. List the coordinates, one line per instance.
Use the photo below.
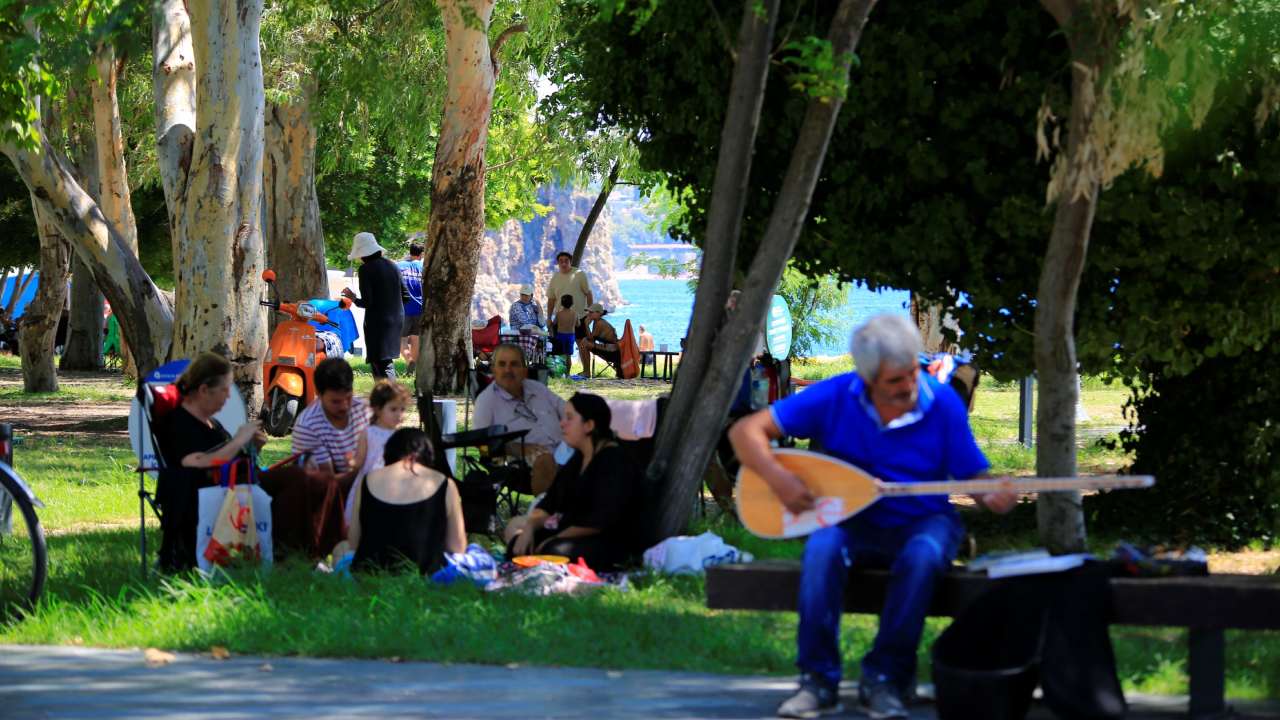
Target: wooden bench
(1206, 605)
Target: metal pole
(1026, 411)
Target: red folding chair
(484, 340)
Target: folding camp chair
(155, 398)
(484, 340)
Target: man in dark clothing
(381, 296)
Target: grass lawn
(96, 595)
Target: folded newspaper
(1029, 562)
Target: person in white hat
(525, 311)
(382, 297)
(602, 337)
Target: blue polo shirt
(932, 442)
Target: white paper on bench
(1033, 566)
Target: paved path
(69, 682)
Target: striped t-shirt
(313, 433)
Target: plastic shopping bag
(244, 513)
(235, 535)
(475, 564)
(692, 554)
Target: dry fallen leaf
(219, 652)
(156, 658)
(77, 640)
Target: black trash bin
(986, 664)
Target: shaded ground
(88, 402)
(120, 684)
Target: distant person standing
(568, 280)
(381, 296)
(646, 340)
(411, 272)
(646, 351)
(525, 311)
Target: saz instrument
(843, 490)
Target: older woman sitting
(191, 442)
(405, 511)
(589, 510)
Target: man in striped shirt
(331, 429)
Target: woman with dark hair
(588, 510)
(406, 511)
(191, 442)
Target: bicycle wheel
(23, 557)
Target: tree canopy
(933, 182)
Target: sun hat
(363, 245)
(526, 289)
(597, 307)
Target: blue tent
(10, 286)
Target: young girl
(387, 402)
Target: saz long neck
(1018, 485)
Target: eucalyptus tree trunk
(456, 225)
(294, 236)
(220, 236)
(735, 342)
(113, 176)
(596, 208)
(928, 317)
(40, 321)
(1060, 516)
(720, 246)
(84, 325)
(173, 80)
(146, 320)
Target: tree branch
(496, 49)
(1061, 10)
(724, 32)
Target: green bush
(1210, 438)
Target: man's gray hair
(885, 339)
(512, 347)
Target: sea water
(664, 307)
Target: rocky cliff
(525, 253)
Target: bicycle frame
(17, 480)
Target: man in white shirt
(519, 403)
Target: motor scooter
(288, 371)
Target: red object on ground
(582, 572)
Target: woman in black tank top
(406, 512)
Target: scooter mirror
(344, 303)
(269, 275)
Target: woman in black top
(382, 297)
(588, 511)
(191, 442)
(406, 511)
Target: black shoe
(881, 700)
(814, 698)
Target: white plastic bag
(210, 502)
(692, 554)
